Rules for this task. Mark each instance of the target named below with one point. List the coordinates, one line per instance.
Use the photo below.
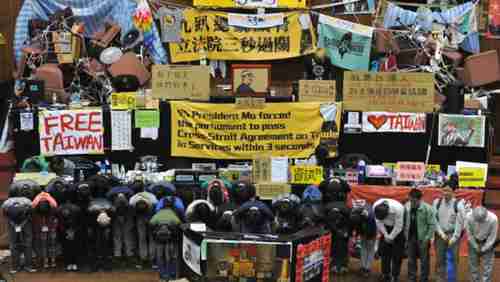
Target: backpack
(165, 233)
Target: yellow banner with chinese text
(223, 131)
(208, 35)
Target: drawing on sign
(394, 122)
(462, 131)
(249, 80)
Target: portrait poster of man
(250, 80)
(461, 131)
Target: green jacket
(165, 216)
(426, 221)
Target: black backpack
(165, 233)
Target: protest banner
(181, 82)
(410, 171)
(73, 132)
(471, 174)
(250, 3)
(389, 91)
(123, 101)
(317, 90)
(306, 174)
(207, 35)
(331, 113)
(461, 131)
(347, 44)
(222, 131)
(374, 122)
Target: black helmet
(44, 207)
(254, 217)
(202, 212)
(381, 211)
(18, 213)
(141, 207)
(216, 195)
(334, 190)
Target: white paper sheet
(279, 169)
(151, 133)
(121, 130)
(26, 121)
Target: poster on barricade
(71, 132)
(224, 131)
(208, 35)
(347, 44)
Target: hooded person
(481, 226)
(334, 189)
(24, 188)
(163, 190)
(101, 185)
(143, 205)
(217, 193)
(100, 211)
(201, 211)
(70, 230)
(165, 225)
(45, 228)
(58, 188)
(20, 232)
(123, 225)
(243, 192)
(81, 196)
(224, 217)
(336, 217)
(285, 207)
(310, 209)
(254, 217)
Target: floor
(146, 276)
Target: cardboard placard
(410, 171)
(123, 101)
(375, 122)
(250, 103)
(306, 174)
(177, 82)
(261, 169)
(317, 90)
(389, 91)
(472, 174)
(267, 191)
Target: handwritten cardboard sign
(306, 174)
(267, 191)
(389, 91)
(317, 90)
(72, 132)
(177, 82)
(374, 122)
(250, 103)
(410, 171)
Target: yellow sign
(181, 82)
(261, 169)
(251, 3)
(267, 191)
(40, 178)
(2, 40)
(317, 90)
(388, 91)
(472, 177)
(221, 131)
(207, 35)
(332, 113)
(123, 101)
(429, 169)
(306, 174)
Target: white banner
(121, 130)
(256, 20)
(73, 132)
(394, 122)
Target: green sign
(147, 119)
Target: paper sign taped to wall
(317, 90)
(177, 82)
(267, 191)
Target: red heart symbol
(377, 121)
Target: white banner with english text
(71, 132)
(374, 122)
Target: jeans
(475, 260)
(123, 235)
(166, 255)
(47, 244)
(367, 253)
(21, 242)
(418, 249)
(442, 247)
(340, 251)
(101, 246)
(145, 238)
(391, 255)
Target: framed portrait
(250, 80)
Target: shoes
(365, 272)
(13, 271)
(154, 267)
(69, 267)
(30, 269)
(53, 264)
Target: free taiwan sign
(74, 132)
